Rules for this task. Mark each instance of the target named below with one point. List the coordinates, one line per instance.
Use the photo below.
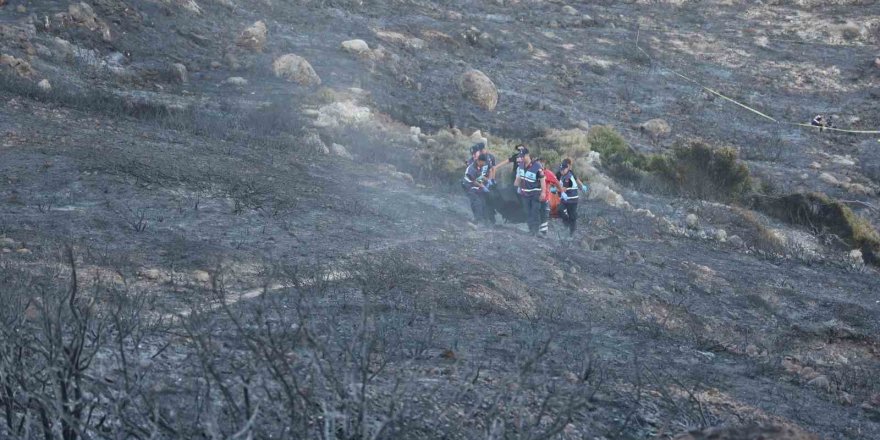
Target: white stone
(295, 68)
(340, 151)
(44, 85)
(829, 179)
(236, 81)
(359, 47)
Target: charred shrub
(824, 215)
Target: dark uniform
(475, 193)
(488, 164)
(530, 193)
(569, 204)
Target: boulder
(820, 382)
(656, 128)
(83, 14)
(6, 242)
(736, 241)
(342, 113)
(21, 67)
(62, 49)
(855, 256)
(254, 37)
(311, 143)
(201, 276)
(45, 86)
(232, 61)
(479, 89)
(829, 179)
(877, 62)
(692, 221)
(21, 9)
(295, 68)
(150, 274)
(191, 6)
(178, 73)
(401, 39)
(569, 10)
(357, 47)
(721, 235)
(341, 151)
(236, 81)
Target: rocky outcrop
(751, 432)
(81, 14)
(656, 128)
(254, 37)
(295, 68)
(19, 66)
(357, 47)
(479, 89)
(178, 73)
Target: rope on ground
(753, 110)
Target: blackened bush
(822, 214)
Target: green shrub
(610, 144)
(706, 173)
(573, 143)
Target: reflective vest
(488, 165)
(530, 179)
(570, 186)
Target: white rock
(45, 86)
(829, 179)
(398, 38)
(721, 235)
(569, 10)
(341, 151)
(843, 160)
(344, 113)
(236, 81)
(691, 221)
(191, 6)
(179, 73)
(858, 188)
(295, 68)
(254, 37)
(656, 128)
(359, 47)
(815, 166)
(201, 276)
(855, 256)
(150, 274)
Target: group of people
(533, 182)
